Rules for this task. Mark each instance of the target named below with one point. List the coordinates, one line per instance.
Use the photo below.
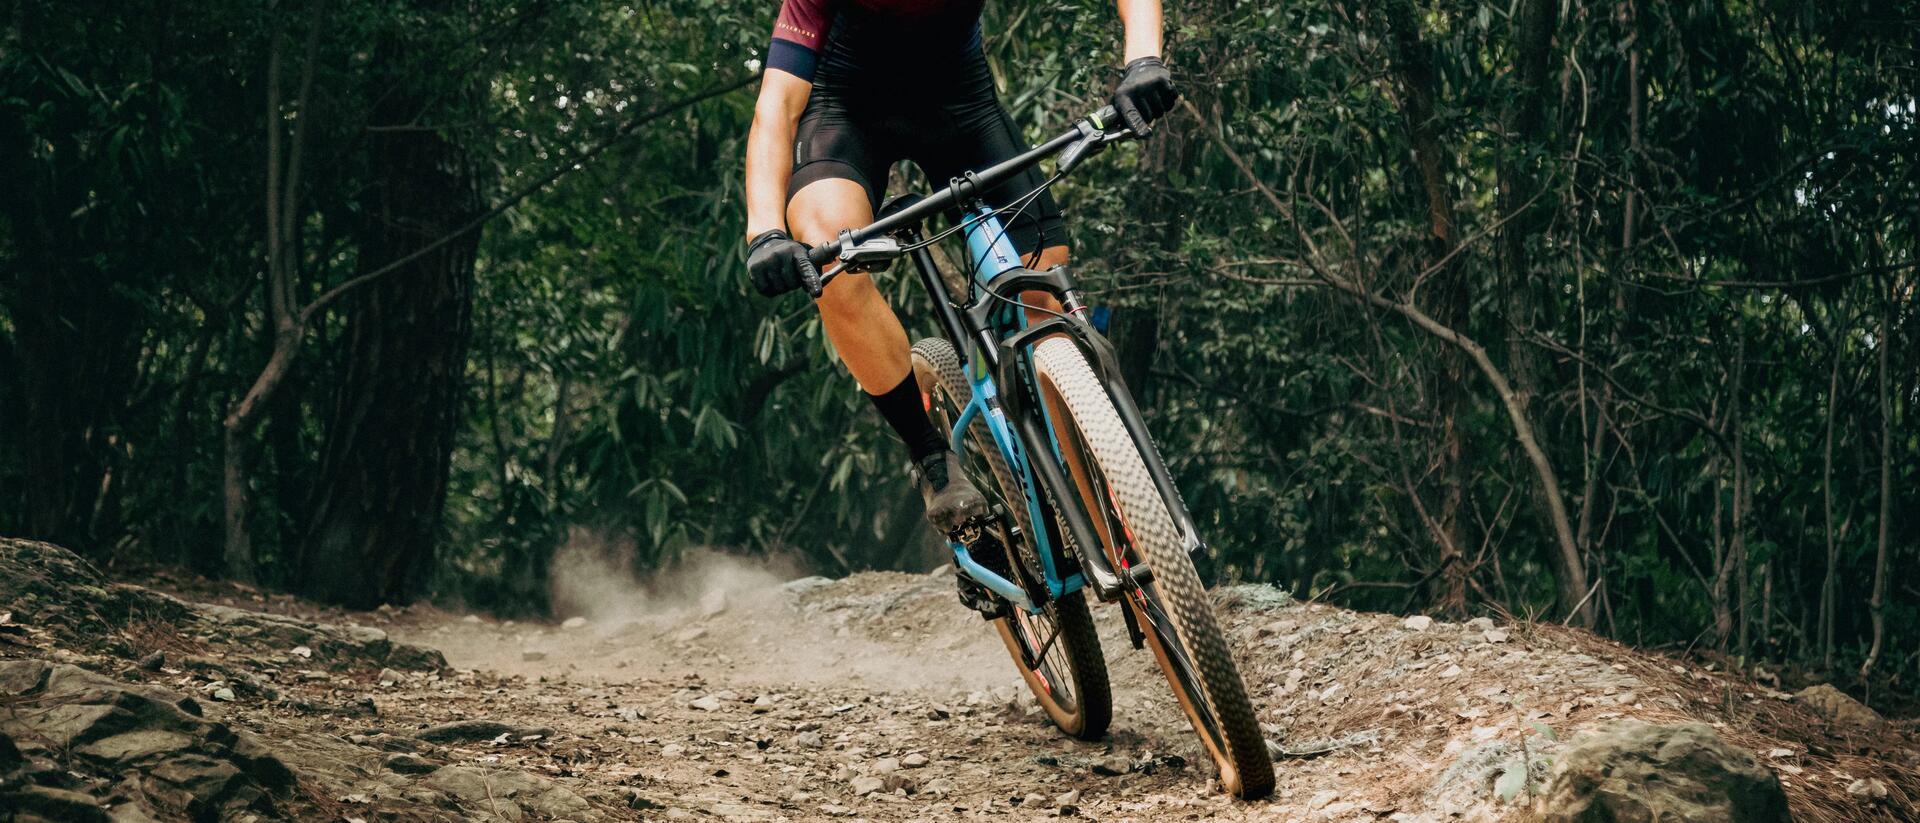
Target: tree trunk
(1523, 122)
(1449, 294)
(68, 361)
(1830, 584)
(74, 357)
(389, 439)
(1877, 603)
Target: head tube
(990, 249)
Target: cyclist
(851, 87)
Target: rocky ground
(876, 697)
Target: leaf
(1511, 781)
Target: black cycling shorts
(856, 129)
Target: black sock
(901, 408)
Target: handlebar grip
(1108, 117)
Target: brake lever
(1093, 137)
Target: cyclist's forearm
(769, 165)
(1141, 19)
(776, 117)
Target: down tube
(996, 420)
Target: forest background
(1594, 312)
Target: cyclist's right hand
(778, 264)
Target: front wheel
(1135, 525)
(1056, 651)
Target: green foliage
(624, 384)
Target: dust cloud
(591, 577)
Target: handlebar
(1088, 133)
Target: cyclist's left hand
(1145, 93)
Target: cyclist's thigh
(975, 132)
(840, 169)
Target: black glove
(779, 264)
(1145, 93)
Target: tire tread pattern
(1225, 696)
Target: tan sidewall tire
(1246, 769)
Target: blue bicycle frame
(993, 334)
(993, 254)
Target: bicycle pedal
(968, 532)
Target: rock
(223, 694)
(1868, 788)
(153, 661)
(1070, 798)
(1634, 772)
(899, 783)
(472, 619)
(866, 785)
(1496, 635)
(303, 652)
(1418, 623)
(709, 703)
(940, 786)
(509, 794)
(914, 761)
(672, 750)
(808, 740)
(137, 746)
(713, 603)
(574, 623)
(1112, 766)
(1840, 709)
(176, 764)
(389, 677)
(1480, 624)
(886, 765)
(1253, 597)
(531, 656)
(1322, 800)
(805, 584)
(404, 763)
(53, 804)
(470, 731)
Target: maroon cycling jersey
(851, 40)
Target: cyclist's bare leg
(859, 322)
(1041, 261)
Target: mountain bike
(1080, 498)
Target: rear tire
(1064, 628)
(1172, 609)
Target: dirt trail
(878, 697)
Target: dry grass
(147, 632)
